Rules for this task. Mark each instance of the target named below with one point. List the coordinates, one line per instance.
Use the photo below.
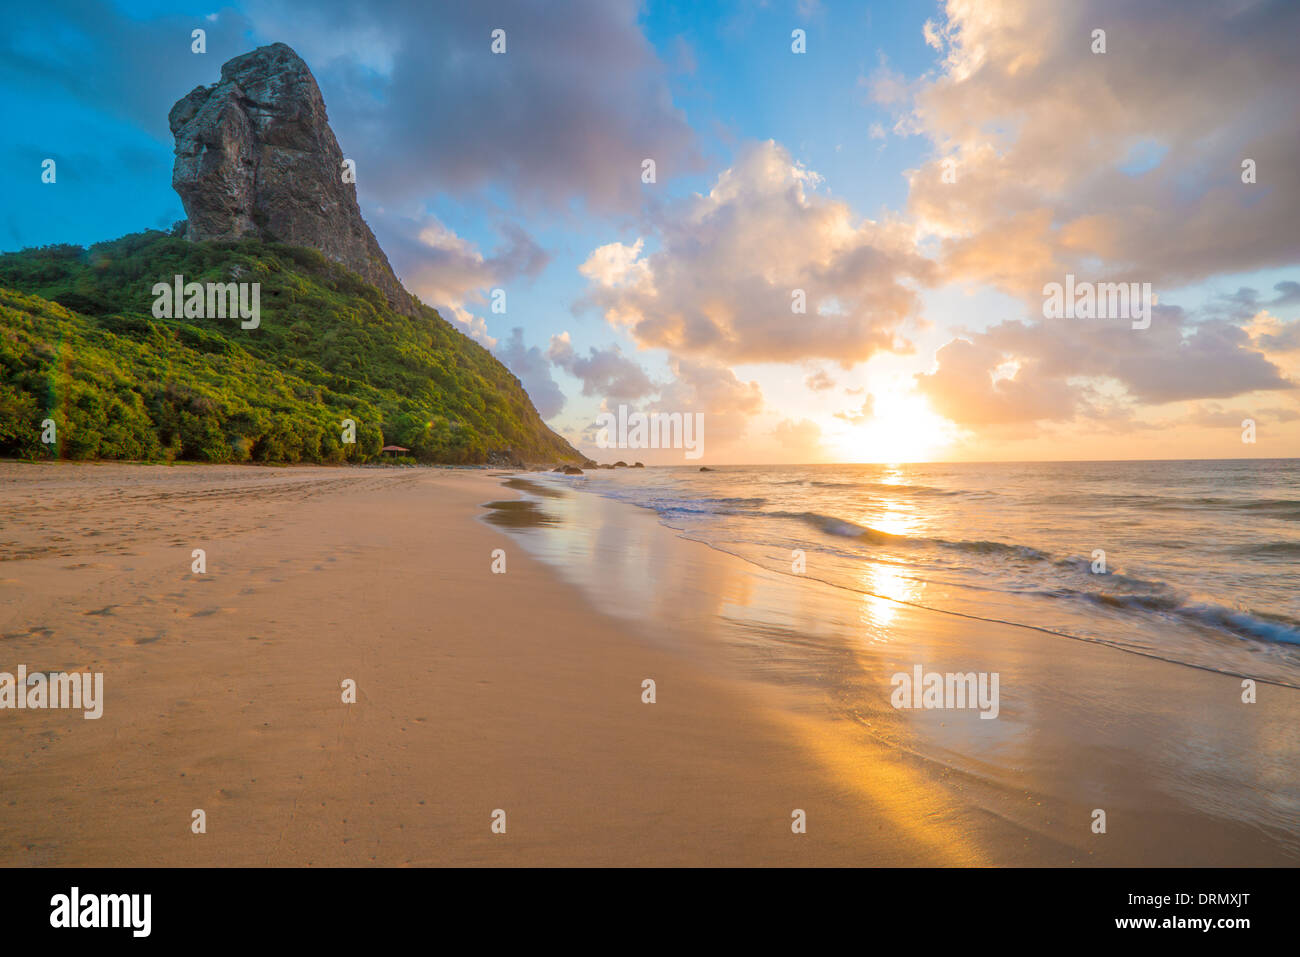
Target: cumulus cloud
(1118, 166)
(1022, 372)
(731, 266)
(964, 388)
(1124, 165)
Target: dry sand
(481, 691)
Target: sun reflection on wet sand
(962, 789)
(884, 588)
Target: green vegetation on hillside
(79, 345)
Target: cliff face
(255, 156)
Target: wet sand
(522, 692)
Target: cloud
(604, 372)
(577, 100)
(440, 260)
(1210, 359)
(726, 403)
(1274, 336)
(1121, 165)
(449, 272)
(1246, 303)
(709, 387)
(1052, 371)
(714, 389)
(534, 372)
(819, 381)
(1214, 416)
(730, 267)
(129, 67)
(858, 416)
(886, 86)
(963, 388)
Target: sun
(903, 428)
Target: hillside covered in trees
(80, 345)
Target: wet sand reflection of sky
(518, 514)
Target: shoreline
(523, 691)
(931, 609)
(1085, 697)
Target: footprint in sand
(206, 612)
(38, 630)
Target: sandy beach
(522, 691)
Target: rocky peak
(255, 155)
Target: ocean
(1193, 562)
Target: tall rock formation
(255, 155)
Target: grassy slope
(79, 345)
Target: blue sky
(466, 162)
(728, 86)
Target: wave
(1257, 625)
(1135, 604)
(1146, 595)
(1278, 549)
(1249, 505)
(846, 529)
(1114, 577)
(1139, 595)
(840, 526)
